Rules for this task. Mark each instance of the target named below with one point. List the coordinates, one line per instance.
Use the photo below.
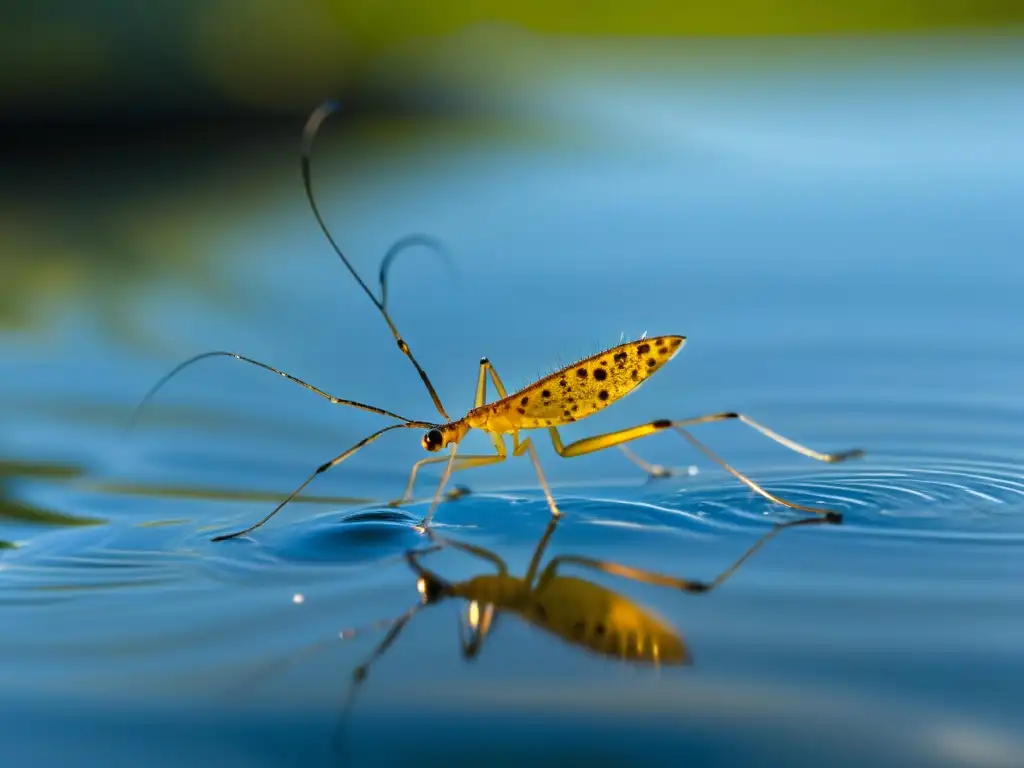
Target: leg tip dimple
(835, 518)
(854, 453)
(457, 493)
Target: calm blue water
(842, 250)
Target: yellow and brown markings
(585, 387)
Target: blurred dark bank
(825, 200)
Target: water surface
(841, 250)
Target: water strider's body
(564, 397)
(567, 395)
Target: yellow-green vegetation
(11, 509)
(289, 54)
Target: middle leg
(518, 449)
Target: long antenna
(182, 366)
(410, 241)
(308, 134)
(403, 244)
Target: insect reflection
(578, 611)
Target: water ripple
(887, 496)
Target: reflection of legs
(538, 553)
(470, 461)
(413, 556)
(601, 442)
(648, 577)
(359, 673)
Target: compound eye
(432, 440)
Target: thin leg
(830, 515)
(495, 378)
(653, 470)
(499, 444)
(425, 522)
(527, 446)
(321, 469)
(331, 398)
(649, 577)
(607, 440)
(477, 461)
(601, 442)
(469, 461)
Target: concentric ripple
(890, 495)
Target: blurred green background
(122, 122)
(63, 58)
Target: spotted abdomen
(585, 387)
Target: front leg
(463, 462)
